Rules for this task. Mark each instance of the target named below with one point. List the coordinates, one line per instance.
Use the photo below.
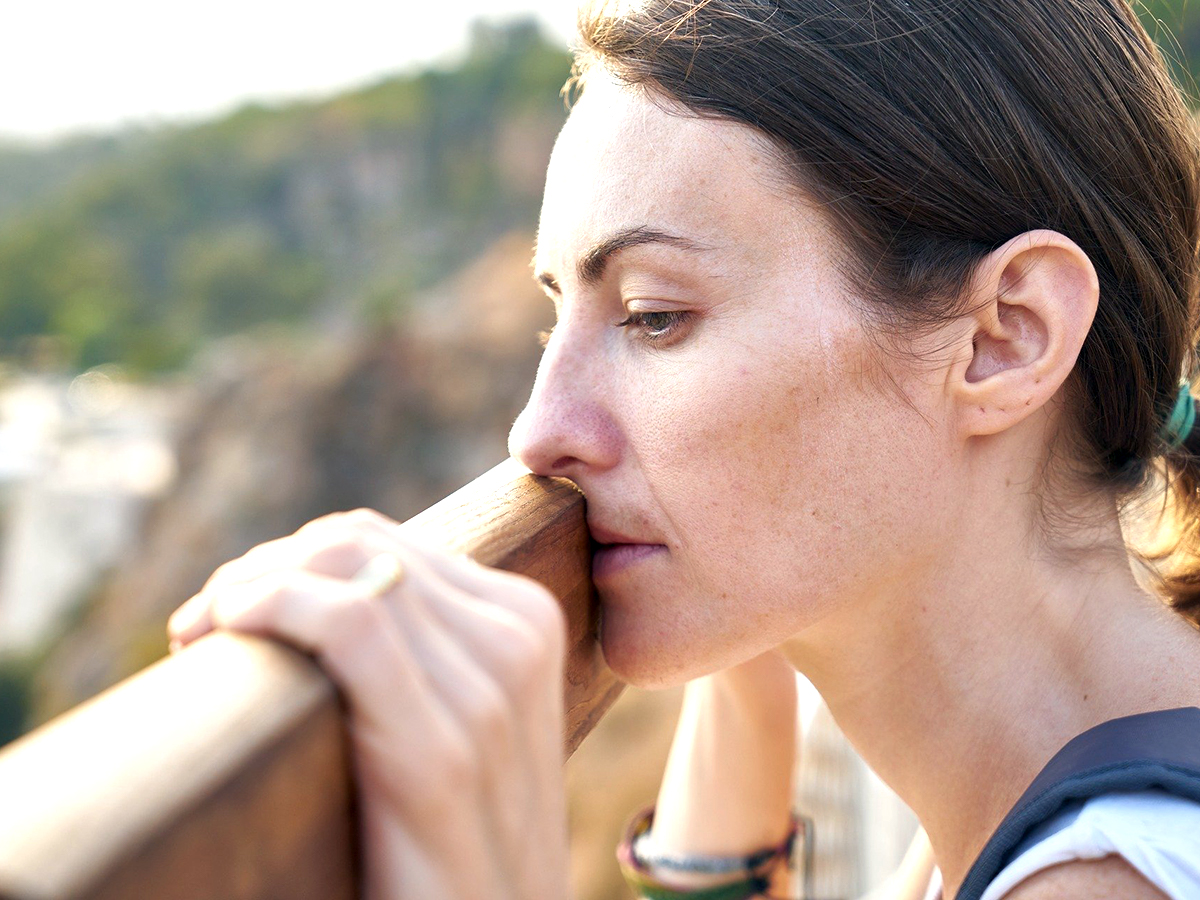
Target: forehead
(628, 159)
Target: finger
(482, 706)
(528, 659)
(348, 630)
(353, 638)
(328, 545)
(454, 613)
(521, 662)
(472, 577)
(193, 618)
(356, 639)
(317, 550)
(341, 543)
(190, 621)
(334, 554)
(394, 689)
(363, 518)
(255, 561)
(459, 569)
(325, 546)
(484, 715)
(492, 633)
(531, 601)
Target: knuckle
(259, 602)
(458, 765)
(341, 553)
(488, 715)
(350, 622)
(541, 662)
(223, 573)
(524, 660)
(273, 594)
(534, 600)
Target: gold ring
(379, 575)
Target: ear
(1033, 302)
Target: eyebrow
(591, 265)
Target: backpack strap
(1132, 753)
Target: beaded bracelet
(752, 874)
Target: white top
(1156, 832)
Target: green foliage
(293, 214)
(1175, 26)
(29, 175)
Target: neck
(959, 685)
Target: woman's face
(713, 392)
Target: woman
(872, 316)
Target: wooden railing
(222, 772)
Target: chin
(642, 655)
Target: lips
(603, 535)
(616, 552)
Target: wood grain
(224, 771)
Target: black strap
(1148, 750)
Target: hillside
(316, 212)
(139, 247)
(31, 176)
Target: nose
(567, 427)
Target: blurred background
(259, 263)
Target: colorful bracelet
(751, 874)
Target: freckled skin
(766, 446)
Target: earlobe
(1036, 297)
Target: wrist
(653, 872)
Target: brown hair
(933, 131)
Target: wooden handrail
(222, 772)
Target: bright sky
(82, 64)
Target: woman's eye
(656, 327)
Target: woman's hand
(453, 679)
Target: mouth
(606, 537)
(614, 552)
(611, 559)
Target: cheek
(745, 439)
(786, 479)
(785, 468)
(722, 488)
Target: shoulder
(1086, 879)
(1085, 851)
